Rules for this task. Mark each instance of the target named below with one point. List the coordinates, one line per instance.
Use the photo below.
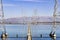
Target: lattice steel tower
(2, 27)
(34, 17)
(55, 15)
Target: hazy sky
(18, 8)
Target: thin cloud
(28, 0)
(8, 5)
(25, 0)
(33, 0)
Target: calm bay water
(36, 30)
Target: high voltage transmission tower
(54, 16)
(34, 17)
(2, 17)
(53, 32)
(2, 25)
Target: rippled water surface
(36, 30)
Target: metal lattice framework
(34, 17)
(55, 15)
(2, 27)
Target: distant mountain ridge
(27, 19)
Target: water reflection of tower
(4, 39)
(29, 36)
